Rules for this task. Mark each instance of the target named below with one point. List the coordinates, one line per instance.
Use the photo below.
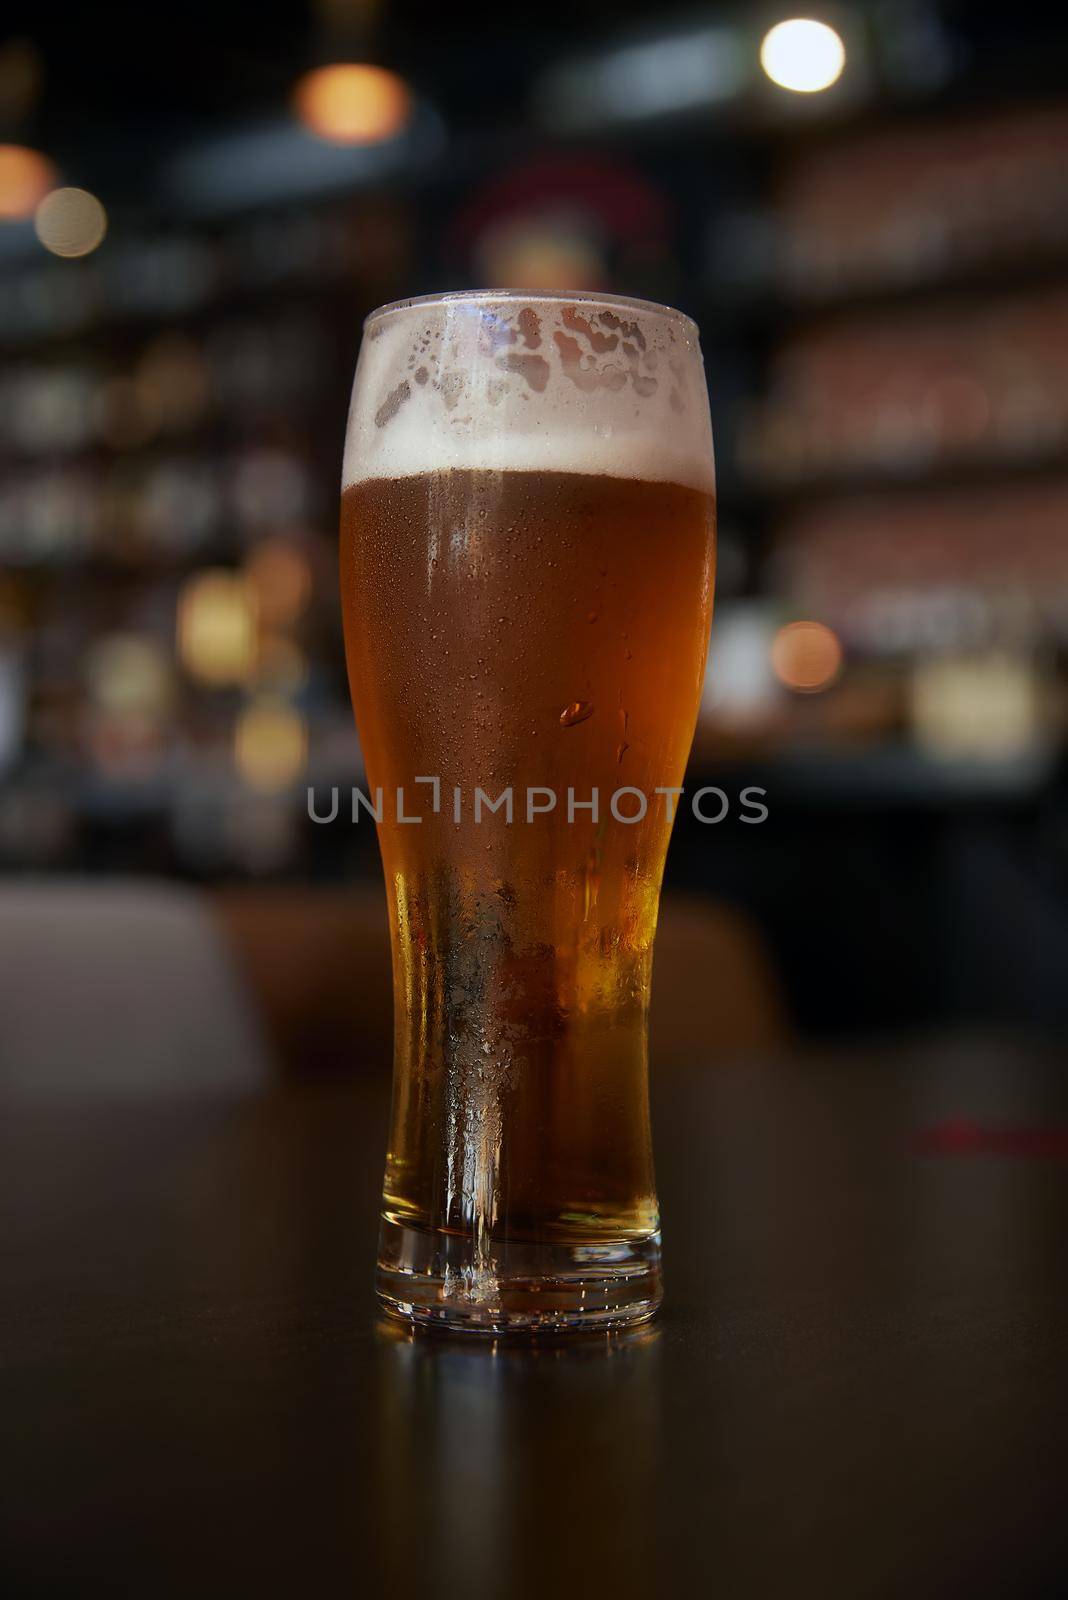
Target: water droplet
(591, 616)
(575, 713)
(621, 752)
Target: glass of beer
(527, 564)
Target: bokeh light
(985, 705)
(281, 578)
(217, 628)
(270, 744)
(70, 222)
(806, 656)
(541, 253)
(25, 178)
(352, 103)
(129, 674)
(282, 665)
(803, 55)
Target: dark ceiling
(123, 79)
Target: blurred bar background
(199, 208)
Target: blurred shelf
(98, 568)
(886, 775)
(104, 312)
(974, 473)
(775, 308)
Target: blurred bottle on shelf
(915, 393)
(909, 206)
(931, 569)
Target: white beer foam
(505, 383)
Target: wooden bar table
(857, 1386)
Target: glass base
(430, 1279)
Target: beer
(526, 648)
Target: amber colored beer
(527, 547)
(541, 631)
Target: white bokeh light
(70, 222)
(803, 55)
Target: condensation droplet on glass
(575, 713)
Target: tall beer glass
(527, 559)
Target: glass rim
(446, 297)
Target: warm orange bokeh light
(351, 103)
(279, 573)
(806, 656)
(539, 253)
(25, 178)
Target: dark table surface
(857, 1386)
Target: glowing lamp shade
(352, 103)
(803, 55)
(806, 656)
(70, 222)
(25, 179)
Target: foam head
(506, 382)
